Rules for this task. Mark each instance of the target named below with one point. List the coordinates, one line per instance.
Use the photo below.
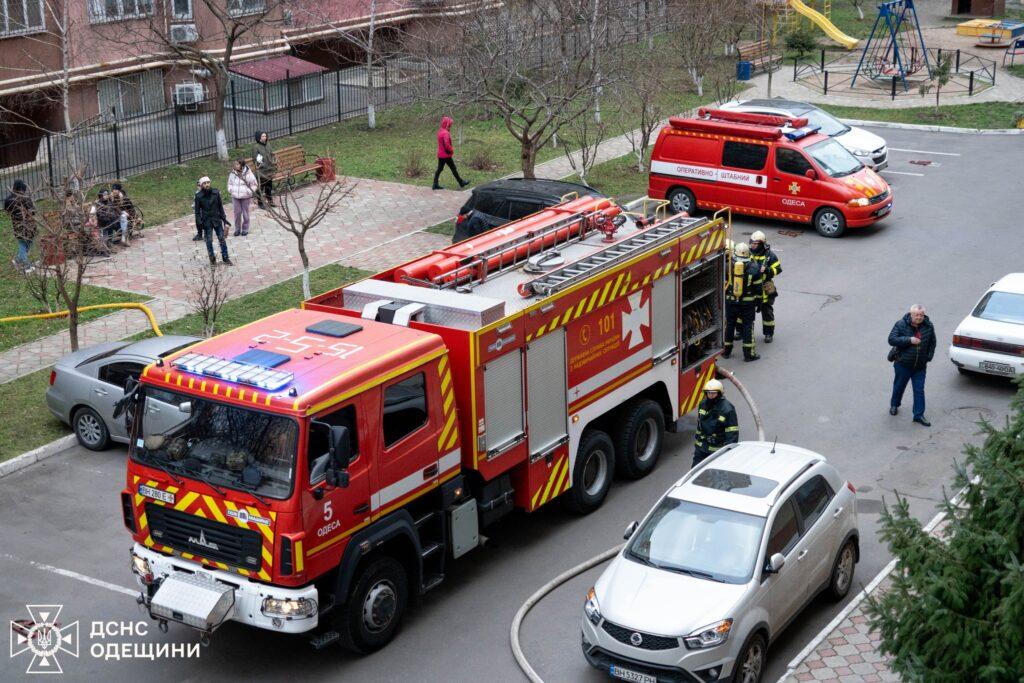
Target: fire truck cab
(768, 166)
(326, 464)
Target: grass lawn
(25, 421)
(618, 178)
(445, 228)
(978, 115)
(1017, 70)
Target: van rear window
(744, 155)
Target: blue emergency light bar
(801, 132)
(233, 371)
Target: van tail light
(852, 489)
(53, 377)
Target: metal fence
(125, 147)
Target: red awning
(276, 69)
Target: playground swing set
(895, 48)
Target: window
(182, 9)
(1004, 307)
(812, 499)
(119, 373)
(834, 158)
(518, 208)
(21, 16)
(117, 10)
(492, 205)
(405, 408)
(166, 396)
(131, 95)
(318, 436)
(744, 155)
(238, 8)
(785, 530)
(736, 482)
(791, 161)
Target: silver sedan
(85, 385)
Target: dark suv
(499, 202)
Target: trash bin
(744, 70)
(325, 174)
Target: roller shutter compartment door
(546, 392)
(503, 401)
(663, 315)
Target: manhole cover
(922, 162)
(790, 233)
(972, 414)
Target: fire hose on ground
(542, 592)
(95, 307)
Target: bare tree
(696, 33)
(638, 96)
(735, 18)
(722, 77)
(209, 293)
(531, 63)
(581, 140)
(299, 215)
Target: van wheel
(638, 441)
(681, 199)
(842, 572)
(750, 663)
(375, 607)
(90, 429)
(829, 222)
(592, 474)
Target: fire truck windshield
(221, 444)
(834, 158)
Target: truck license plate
(997, 368)
(629, 675)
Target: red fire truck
(315, 470)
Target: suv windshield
(828, 124)
(834, 158)
(707, 542)
(225, 446)
(1004, 307)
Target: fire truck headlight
(591, 608)
(141, 568)
(289, 608)
(859, 201)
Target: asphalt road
(823, 385)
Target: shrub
(801, 41)
(414, 166)
(480, 159)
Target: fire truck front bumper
(177, 590)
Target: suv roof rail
(782, 489)
(693, 471)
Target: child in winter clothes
(445, 152)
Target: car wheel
(375, 607)
(90, 429)
(830, 222)
(681, 199)
(592, 474)
(750, 663)
(842, 572)
(639, 439)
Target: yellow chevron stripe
(442, 364)
(299, 560)
(449, 397)
(444, 432)
(579, 309)
(645, 281)
(263, 575)
(446, 380)
(536, 495)
(604, 293)
(593, 300)
(142, 521)
(563, 483)
(217, 514)
(618, 281)
(540, 330)
(199, 513)
(451, 440)
(267, 557)
(701, 379)
(265, 529)
(718, 239)
(186, 501)
(231, 506)
(556, 474)
(565, 318)
(172, 489)
(656, 275)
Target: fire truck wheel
(592, 474)
(830, 222)
(681, 199)
(375, 606)
(638, 441)
(90, 430)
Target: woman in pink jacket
(242, 185)
(445, 152)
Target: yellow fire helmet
(741, 249)
(758, 236)
(714, 385)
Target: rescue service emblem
(794, 187)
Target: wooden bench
(759, 54)
(291, 163)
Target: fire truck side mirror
(811, 173)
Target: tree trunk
(860, 12)
(73, 327)
(221, 136)
(770, 72)
(528, 157)
(305, 267)
(371, 92)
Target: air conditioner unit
(184, 33)
(188, 95)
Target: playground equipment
(821, 21)
(895, 48)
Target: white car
(869, 148)
(725, 560)
(991, 339)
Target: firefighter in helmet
(742, 294)
(761, 253)
(716, 422)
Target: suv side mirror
(811, 173)
(775, 563)
(630, 529)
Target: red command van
(763, 165)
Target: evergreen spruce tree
(955, 608)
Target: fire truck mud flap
(193, 600)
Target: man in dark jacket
(266, 166)
(18, 205)
(129, 216)
(716, 422)
(761, 254)
(210, 218)
(913, 337)
(743, 291)
(108, 218)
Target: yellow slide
(824, 24)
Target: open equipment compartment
(701, 323)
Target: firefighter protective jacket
(770, 262)
(716, 425)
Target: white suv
(724, 561)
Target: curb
(20, 462)
(934, 129)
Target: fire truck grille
(647, 641)
(204, 537)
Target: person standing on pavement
(129, 218)
(716, 422)
(445, 152)
(761, 254)
(742, 293)
(19, 206)
(210, 218)
(242, 185)
(266, 167)
(108, 218)
(913, 342)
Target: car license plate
(629, 675)
(884, 210)
(997, 368)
